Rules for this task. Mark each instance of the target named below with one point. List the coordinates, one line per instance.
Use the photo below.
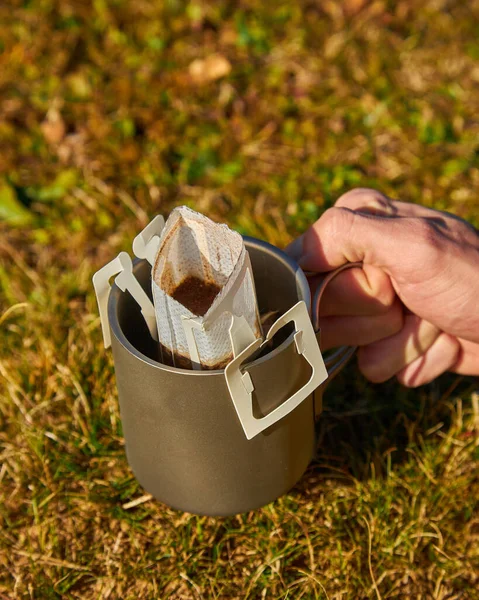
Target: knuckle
(379, 287)
(454, 345)
(337, 221)
(429, 239)
(368, 195)
(421, 371)
(395, 318)
(385, 297)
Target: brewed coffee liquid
(196, 295)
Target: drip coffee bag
(201, 279)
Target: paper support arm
(122, 267)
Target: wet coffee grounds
(183, 362)
(196, 295)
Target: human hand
(414, 307)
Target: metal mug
(184, 440)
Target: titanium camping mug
(188, 441)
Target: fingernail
(295, 249)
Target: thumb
(342, 235)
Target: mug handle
(336, 361)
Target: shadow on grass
(365, 427)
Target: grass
(101, 127)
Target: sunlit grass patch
(102, 126)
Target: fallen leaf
(228, 36)
(62, 184)
(209, 69)
(53, 127)
(352, 7)
(130, 152)
(334, 44)
(11, 209)
(72, 148)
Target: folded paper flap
(225, 300)
(122, 267)
(146, 243)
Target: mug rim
(302, 287)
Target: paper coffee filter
(191, 245)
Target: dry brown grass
(101, 127)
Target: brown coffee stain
(196, 295)
(173, 359)
(157, 277)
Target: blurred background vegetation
(259, 114)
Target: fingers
(373, 202)
(428, 257)
(365, 225)
(467, 362)
(383, 359)
(361, 330)
(367, 200)
(441, 357)
(342, 235)
(366, 291)
(295, 249)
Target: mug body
(184, 441)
